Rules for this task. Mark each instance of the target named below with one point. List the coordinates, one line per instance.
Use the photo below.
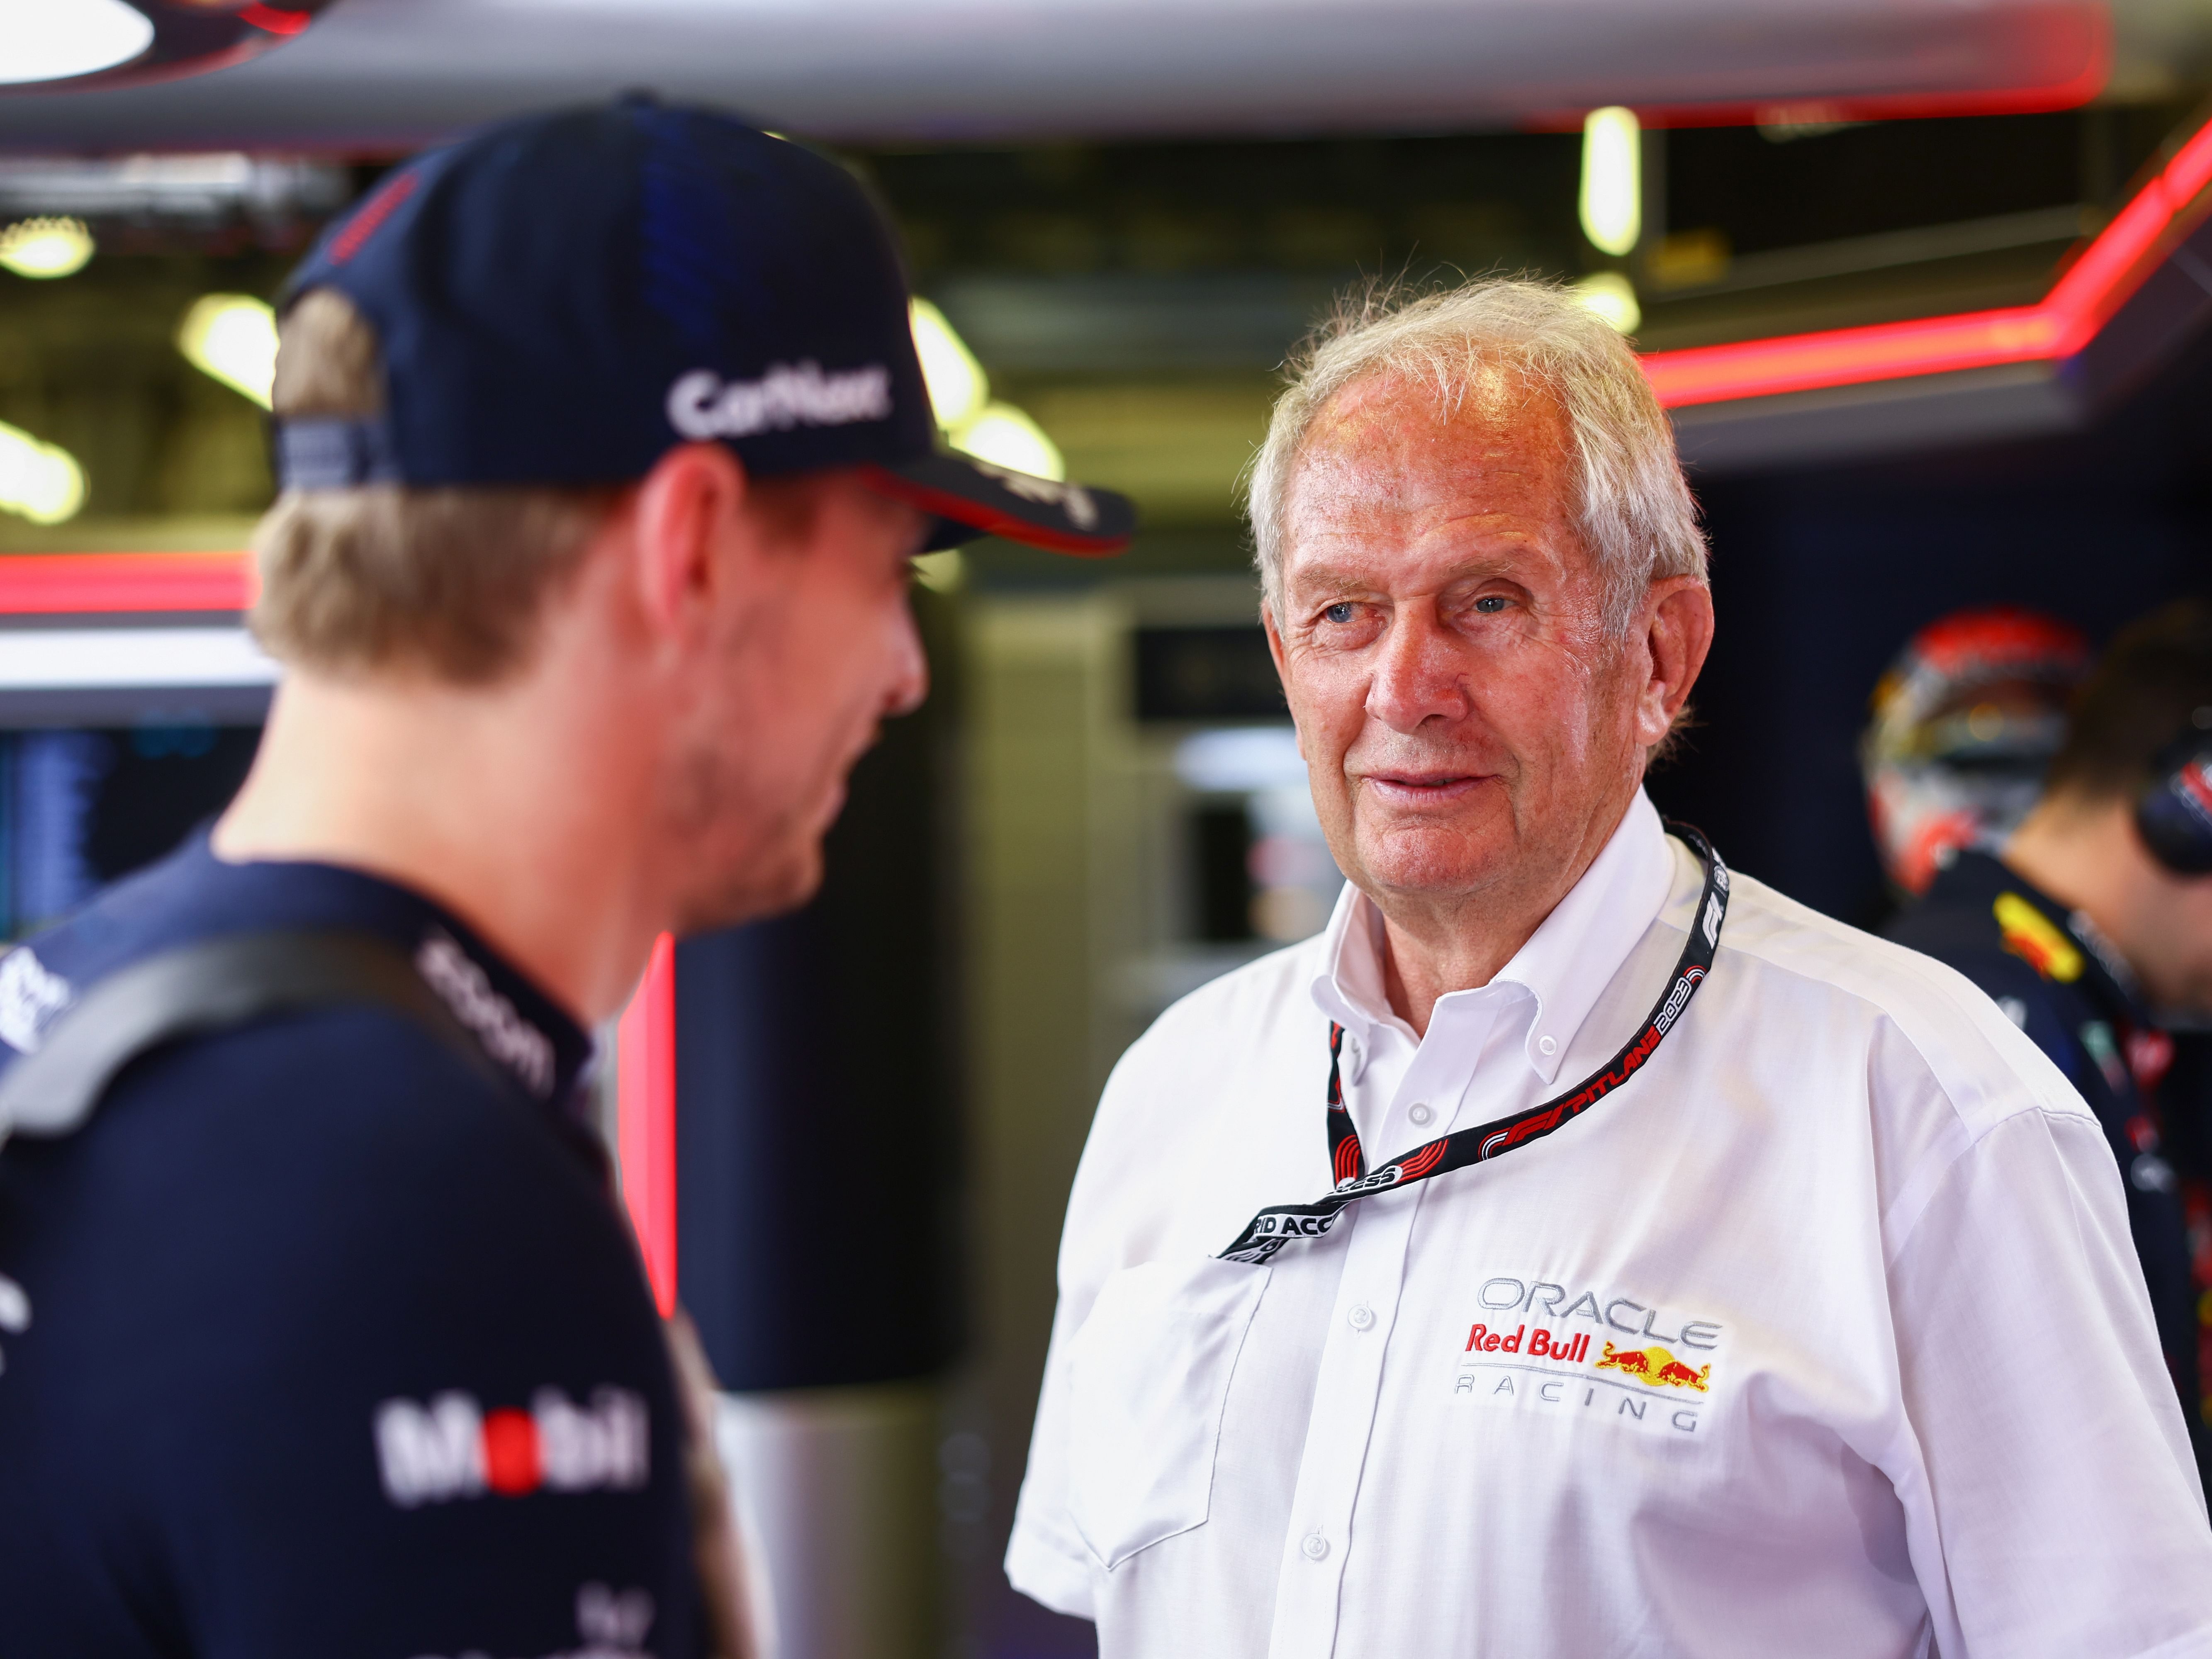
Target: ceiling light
(40, 482)
(1613, 296)
(1004, 436)
(194, 187)
(104, 43)
(46, 247)
(233, 338)
(958, 389)
(1612, 198)
(53, 40)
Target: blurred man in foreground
(1573, 1251)
(2095, 919)
(604, 452)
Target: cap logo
(702, 405)
(1070, 499)
(374, 212)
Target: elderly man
(1568, 1251)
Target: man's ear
(1678, 633)
(686, 507)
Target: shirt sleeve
(1046, 1559)
(2056, 1510)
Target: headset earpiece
(2173, 814)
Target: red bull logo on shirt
(1656, 1366)
(451, 1448)
(1540, 1362)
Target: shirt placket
(1348, 1385)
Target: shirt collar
(194, 894)
(1564, 966)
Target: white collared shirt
(1823, 1336)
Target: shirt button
(1361, 1317)
(1548, 1045)
(1419, 1112)
(1315, 1546)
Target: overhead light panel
(1613, 296)
(232, 337)
(38, 481)
(56, 39)
(43, 248)
(1006, 437)
(958, 388)
(104, 43)
(1612, 180)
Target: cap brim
(971, 499)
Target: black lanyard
(1286, 1224)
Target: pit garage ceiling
(380, 74)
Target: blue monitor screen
(80, 806)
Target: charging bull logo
(1656, 1366)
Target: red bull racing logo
(1536, 1359)
(1656, 1366)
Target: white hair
(1636, 514)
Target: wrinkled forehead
(1395, 453)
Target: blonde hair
(380, 575)
(1635, 508)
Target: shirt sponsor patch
(466, 989)
(450, 1448)
(1564, 1351)
(31, 995)
(610, 1626)
(2030, 935)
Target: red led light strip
(2093, 288)
(275, 20)
(645, 1136)
(54, 584)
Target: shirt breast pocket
(1149, 1373)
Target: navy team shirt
(2062, 985)
(315, 1340)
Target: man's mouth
(1422, 788)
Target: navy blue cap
(561, 298)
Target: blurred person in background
(1965, 722)
(605, 451)
(2092, 927)
(1574, 1249)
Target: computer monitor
(131, 699)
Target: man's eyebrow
(1326, 579)
(1323, 580)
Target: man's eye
(1491, 604)
(1340, 613)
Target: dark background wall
(818, 1145)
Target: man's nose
(1418, 675)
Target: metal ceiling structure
(2123, 305)
(385, 75)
